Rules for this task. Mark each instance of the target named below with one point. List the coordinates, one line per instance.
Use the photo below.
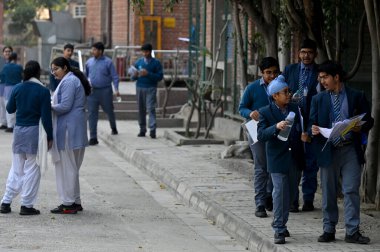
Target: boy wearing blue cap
(283, 156)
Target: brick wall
(1, 21)
(169, 35)
(127, 31)
(93, 20)
(209, 24)
(120, 23)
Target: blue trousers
(283, 193)
(147, 102)
(104, 98)
(261, 178)
(281, 201)
(345, 164)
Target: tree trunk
(199, 123)
(213, 115)
(271, 43)
(266, 23)
(372, 175)
(239, 37)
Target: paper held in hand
(251, 127)
(132, 70)
(340, 129)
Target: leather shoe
(279, 238)
(9, 130)
(3, 127)
(286, 233)
(28, 211)
(357, 237)
(114, 131)
(93, 141)
(260, 212)
(326, 237)
(141, 134)
(5, 208)
(153, 134)
(308, 206)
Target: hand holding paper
(132, 71)
(342, 128)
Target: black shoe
(326, 237)
(3, 127)
(279, 238)
(28, 211)
(286, 233)
(114, 131)
(78, 207)
(269, 204)
(9, 130)
(141, 134)
(62, 209)
(294, 209)
(93, 141)
(5, 208)
(307, 206)
(260, 212)
(153, 134)
(357, 237)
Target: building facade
(117, 23)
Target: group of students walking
(318, 97)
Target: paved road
(222, 192)
(124, 210)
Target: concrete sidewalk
(197, 175)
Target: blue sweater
(254, 97)
(11, 74)
(155, 73)
(31, 101)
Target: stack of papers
(340, 129)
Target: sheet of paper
(251, 127)
(132, 70)
(325, 132)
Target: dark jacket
(280, 153)
(292, 75)
(321, 115)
